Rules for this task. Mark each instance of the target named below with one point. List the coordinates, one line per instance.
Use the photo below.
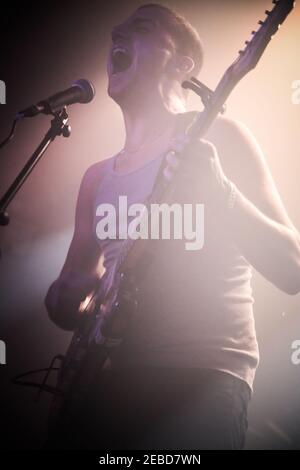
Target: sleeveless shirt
(195, 308)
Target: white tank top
(195, 307)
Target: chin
(125, 89)
(119, 92)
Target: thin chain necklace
(133, 151)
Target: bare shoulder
(92, 176)
(244, 163)
(94, 171)
(224, 124)
(90, 181)
(231, 133)
(239, 151)
(84, 206)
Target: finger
(172, 159)
(179, 143)
(168, 173)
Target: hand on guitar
(200, 170)
(66, 297)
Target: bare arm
(79, 276)
(259, 222)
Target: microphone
(81, 91)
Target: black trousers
(157, 409)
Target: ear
(184, 64)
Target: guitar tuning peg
(261, 22)
(253, 32)
(241, 51)
(275, 2)
(246, 42)
(267, 12)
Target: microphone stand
(59, 126)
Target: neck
(148, 116)
(142, 125)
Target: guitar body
(100, 331)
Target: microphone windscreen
(88, 90)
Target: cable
(41, 386)
(11, 134)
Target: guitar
(109, 313)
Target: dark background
(45, 46)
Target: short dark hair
(187, 39)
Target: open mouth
(121, 60)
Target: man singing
(183, 377)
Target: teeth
(117, 49)
(121, 59)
